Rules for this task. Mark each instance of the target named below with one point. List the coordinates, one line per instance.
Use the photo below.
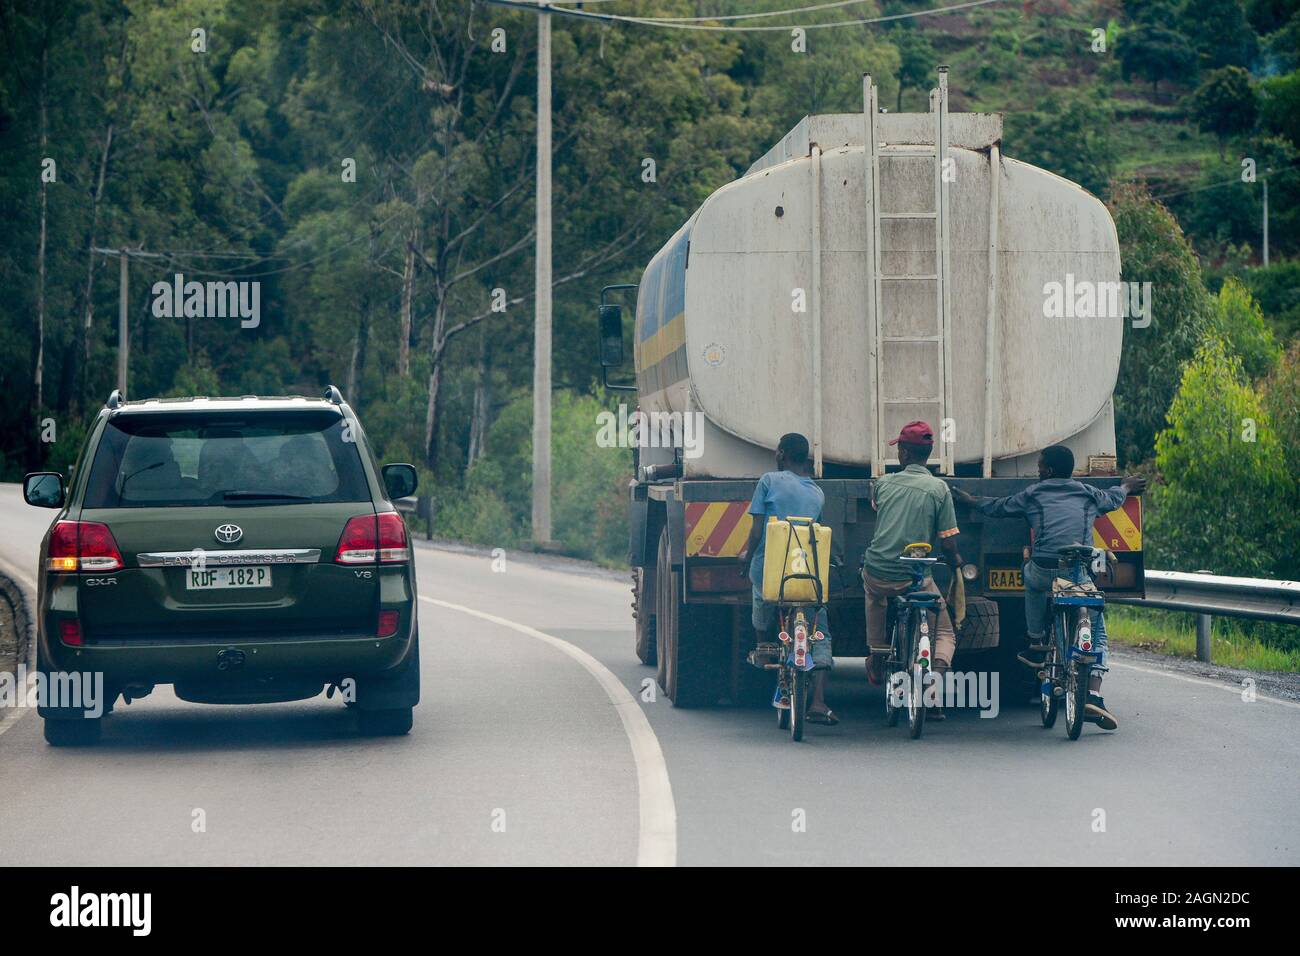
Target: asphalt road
(534, 745)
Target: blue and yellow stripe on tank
(661, 317)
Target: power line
(673, 23)
(772, 13)
(1226, 182)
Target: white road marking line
(657, 813)
(1232, 688)
(11, 718)
(22, 576)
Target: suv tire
(76, 732)
(385, 723)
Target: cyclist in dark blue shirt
(1060, 512)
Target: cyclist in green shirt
(912, 506)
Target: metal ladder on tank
(882, 453)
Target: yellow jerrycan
(789, 559)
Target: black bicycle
(907, 668)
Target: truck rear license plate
(254, 576)
(1006, 579)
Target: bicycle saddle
(1076, 552)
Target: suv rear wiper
(140, 471)
(260, 495)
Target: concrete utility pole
(123, 346)
(542, 320)
(123, 256)
(1265, 181)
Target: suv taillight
(392, 538)
(83, 546)
(367, 536)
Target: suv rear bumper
(242, 660)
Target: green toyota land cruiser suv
(244, 550)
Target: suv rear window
(153, 459)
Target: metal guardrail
(1213, 594)
(418, 507)
(1207, 595)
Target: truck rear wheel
(689, 639)
(981, 628)
(1018, 684)
(643, 609)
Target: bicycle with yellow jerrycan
(796, 566)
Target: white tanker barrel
(726, 311)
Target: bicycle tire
(915, 681)
(892, 712)
(798, 704)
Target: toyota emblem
(228, 533)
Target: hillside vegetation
(371, 165)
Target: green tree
(1278, 290)
(1225, 104)
(1153, 249)
(1282, 403)
(1153, 52)
(1279, 106)
(917, 62)
(827, 78)
(590, 514)
(1068, 134)
(1281, 46)
(1238, 321)
(1224, 474)
(195, 378)
(1219, 32)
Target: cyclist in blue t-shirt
(788, 492)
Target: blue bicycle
(907, 668)
(1071, 655)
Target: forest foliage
(371, 164)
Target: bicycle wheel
(798, 703)
(1076, 698)
(892, 707)
(1075, 677)
(782, 684)
(1049, 704)
(915, 682)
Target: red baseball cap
(915, 433)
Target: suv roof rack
(333, 395)
(115, 399)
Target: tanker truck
(870, 269)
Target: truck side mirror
(611, 336)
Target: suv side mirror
(44, 489)
(400, 480)
(611, 336)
